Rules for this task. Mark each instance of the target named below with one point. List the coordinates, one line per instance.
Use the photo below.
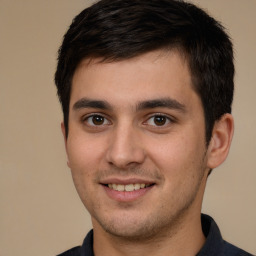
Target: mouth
(127, 187)
(127, 190)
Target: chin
(132, 229)
(132, 234)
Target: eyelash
(105, 121)
(167, 120)
(85, 119)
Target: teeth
(120, 188)
(128, 187)
(137, 186)
(142, 186)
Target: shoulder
(85, 249)
(72, 252)
(215, 245)
(230, 249)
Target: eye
(96, 120)
(159, 120)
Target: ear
(63, 129)
(221, 140)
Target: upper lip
(126, 181)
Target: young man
(146, 89)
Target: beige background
(40, 212)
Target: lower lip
(126, 196)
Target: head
(144, 87)
(115, 30)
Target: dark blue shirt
(214, 245)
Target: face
(136, 143)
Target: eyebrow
(87, 103)
(147, 104)
(161, 103)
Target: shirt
(214, 245)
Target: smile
(128, 187)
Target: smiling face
(136, 144)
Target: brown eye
(98, 120)
(160, 120)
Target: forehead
(157, 74)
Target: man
(146, 89)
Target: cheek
(82, 165)
(83, 152)
(177, 155)
(86, 157)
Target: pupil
(98, 120)
(160, 120)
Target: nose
(125, 149)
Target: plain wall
(40, 212)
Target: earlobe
(221, 140)
(65, 141)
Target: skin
(119, 133)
